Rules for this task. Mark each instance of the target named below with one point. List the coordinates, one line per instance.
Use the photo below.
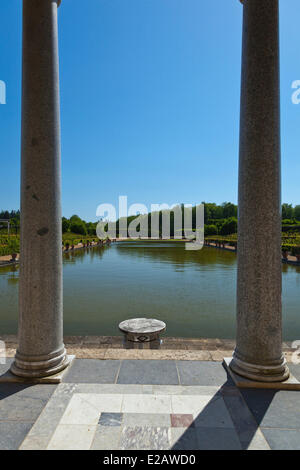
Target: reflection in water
(193, 291)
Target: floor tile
(274, 409)
(217, 439)
(215, 415)
(282, 439)
(106, 437)
(146, 404)
(144, 438)
(149, 372)
(92, 371)
(183, 438)
(21, 408)
(41, 432)
(201, 373)
(104, 403)
(147, 419)
(257, 442)
(244, 422)
(108, 389)
(79, 412)
(181, 420)
(72, 437)
(110, 419)
(12, 434)
(20, 391)
(204, 439)
(189, 404)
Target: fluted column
(41, 351)
(258, 353)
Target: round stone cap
(145, 326)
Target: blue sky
(149, 101)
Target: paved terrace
(129, 404)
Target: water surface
(192, 291)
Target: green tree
(297, 212)
(287, 211)
(229, 226)
(65, 225)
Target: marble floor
(146, 404)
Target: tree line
(218, 219)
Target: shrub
(13, 245)
(210, 230)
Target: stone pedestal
(41, 351)
(142, 333)
(258, 355)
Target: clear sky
(149, 101)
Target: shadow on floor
(227, 422)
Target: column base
(39, 366)
(290, 383)
(271, 373)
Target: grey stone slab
(242, 418)
(106, 438)
(183, 439)
(29, 391)
(110, 388)
(201, 373)
(282, 439)
(207, 439)
(243, 421)
(92, 371)
(279, 409)
(41, 432)
(21, 409)
(150, 372)
(23, 403)
(65, 390)
(217, 439)
(214, 415)
(12, 434)
(147, 419)
(144, 438)
(110, 419)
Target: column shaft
(258, 353)
(40, 350)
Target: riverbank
(7, 261)
(288, 260)
(112, 347)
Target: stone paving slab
(148, 372)
(82, 415)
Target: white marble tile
(80, 411)
(101, 402)
(72, 437)
(146, 404)
(189, 404)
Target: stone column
(258, 353)
(41, 351)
